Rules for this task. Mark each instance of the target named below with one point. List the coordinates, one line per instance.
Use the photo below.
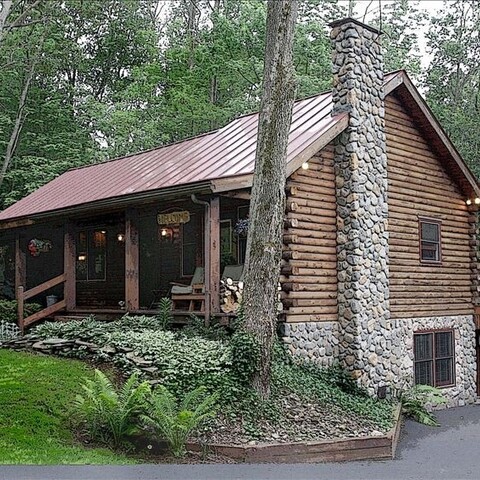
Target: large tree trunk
(267, 207)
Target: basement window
(430, 241)
(434, 358)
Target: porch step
(68, 318)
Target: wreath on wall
(36, 246)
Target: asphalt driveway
(450, 452)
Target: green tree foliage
(452, 79)
(400, 21)
(112, 77)
(80, 55)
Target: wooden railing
(23, 295)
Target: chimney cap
(338, 23)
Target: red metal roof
(226, 152)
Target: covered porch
(112, 261)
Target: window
(430, 248)
(91, 255)
(434, 358)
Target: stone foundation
(464, 391)
(313, 341)
(319, 342)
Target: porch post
(214, 253)
(131, 261)
(20, 264)
(20, 278)
(69, 261)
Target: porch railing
(23, 295)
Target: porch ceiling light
(477, 201)
(305, 166)
(468, 201)
(121, 237)
(81, 258)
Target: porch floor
(181, 317)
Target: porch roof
(220, 160)
(225, 153)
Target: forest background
(82, 81)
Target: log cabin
(380, 253)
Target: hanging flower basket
(36, 246)
(241, 227)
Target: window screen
(434, 358)
(430, 249)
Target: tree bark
(267, 207)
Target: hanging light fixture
(121, 237)
(166, 233)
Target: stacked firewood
(231, 294)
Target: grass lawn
(35, 406)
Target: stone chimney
(365, 340)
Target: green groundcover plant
(415, 401)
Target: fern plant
(414, 402)
(165, 316)
(174, 421)
(110, 414)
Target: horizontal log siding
(419, 186)
(311, 243)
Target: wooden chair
(193, 295)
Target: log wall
(309, 279)
(418, 185)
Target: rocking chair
(193, 295)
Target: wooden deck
(181, 317)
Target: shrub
(174, 421)
(183, 363)
(110, 414)
(415, 401)
(8, 310)
(196, 328)
(91, 330)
